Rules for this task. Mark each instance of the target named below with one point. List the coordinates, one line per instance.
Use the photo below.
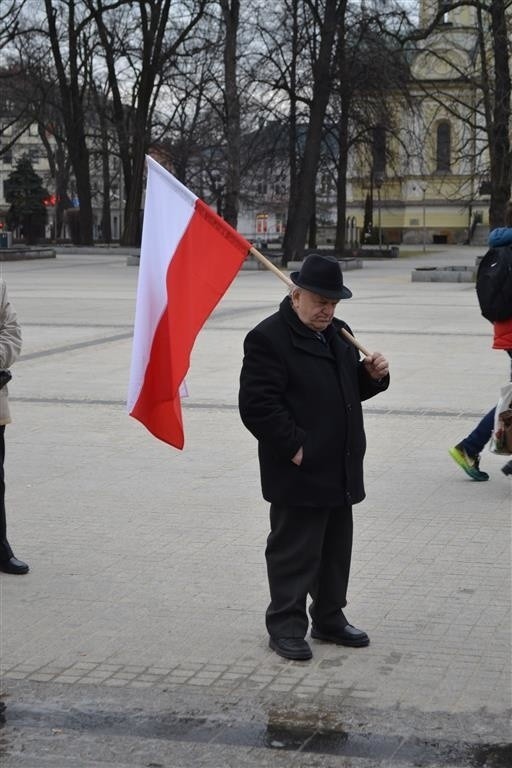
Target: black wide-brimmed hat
(321, 274)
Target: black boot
(14, 566)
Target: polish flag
(189, 257)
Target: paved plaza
(138, 638)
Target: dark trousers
(475, 442)
(5, 550)
(308, 552)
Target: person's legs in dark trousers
(5, 550)
(467, 452)
(476, 441)
(293, 554)
(329, 591)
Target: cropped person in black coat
(301, 388)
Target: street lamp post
(423, 193)
(378, 181)
(121, 201)
(424, 214)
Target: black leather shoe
(13, 565)
(347, 635)
(294, 648)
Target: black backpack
(494, 284)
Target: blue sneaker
(470, 464)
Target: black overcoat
(297, 391)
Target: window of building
(7, 106)
(7, 157)
(261, 223)
(445, 6)
(443, 147)
(280, 222)
(325, 184)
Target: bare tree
(100, 99)
(497, 90)
(296, 66)
(15, 112)
(138, 51)
(372, 77)
(66, 27)
(328, 16)
(212, 101)
(190, 132)
(231, 17)
(11, 13)
(31, 90)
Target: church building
(429, 184)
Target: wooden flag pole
(272, 267)
(355, 342)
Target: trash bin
(4, 239)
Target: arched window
(446, 7)
(443, 148)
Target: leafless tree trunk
(297, 226)
(68, 67)
(16, 121)
(100, 103)
(59, 163)
(293, 132)
(283, 69)
(133, 124)
(499, 123)
(231, 15)
(371, 72)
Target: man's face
(313, 310)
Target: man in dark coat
(301, 388)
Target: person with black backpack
(494, 291)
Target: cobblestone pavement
(137, 639)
